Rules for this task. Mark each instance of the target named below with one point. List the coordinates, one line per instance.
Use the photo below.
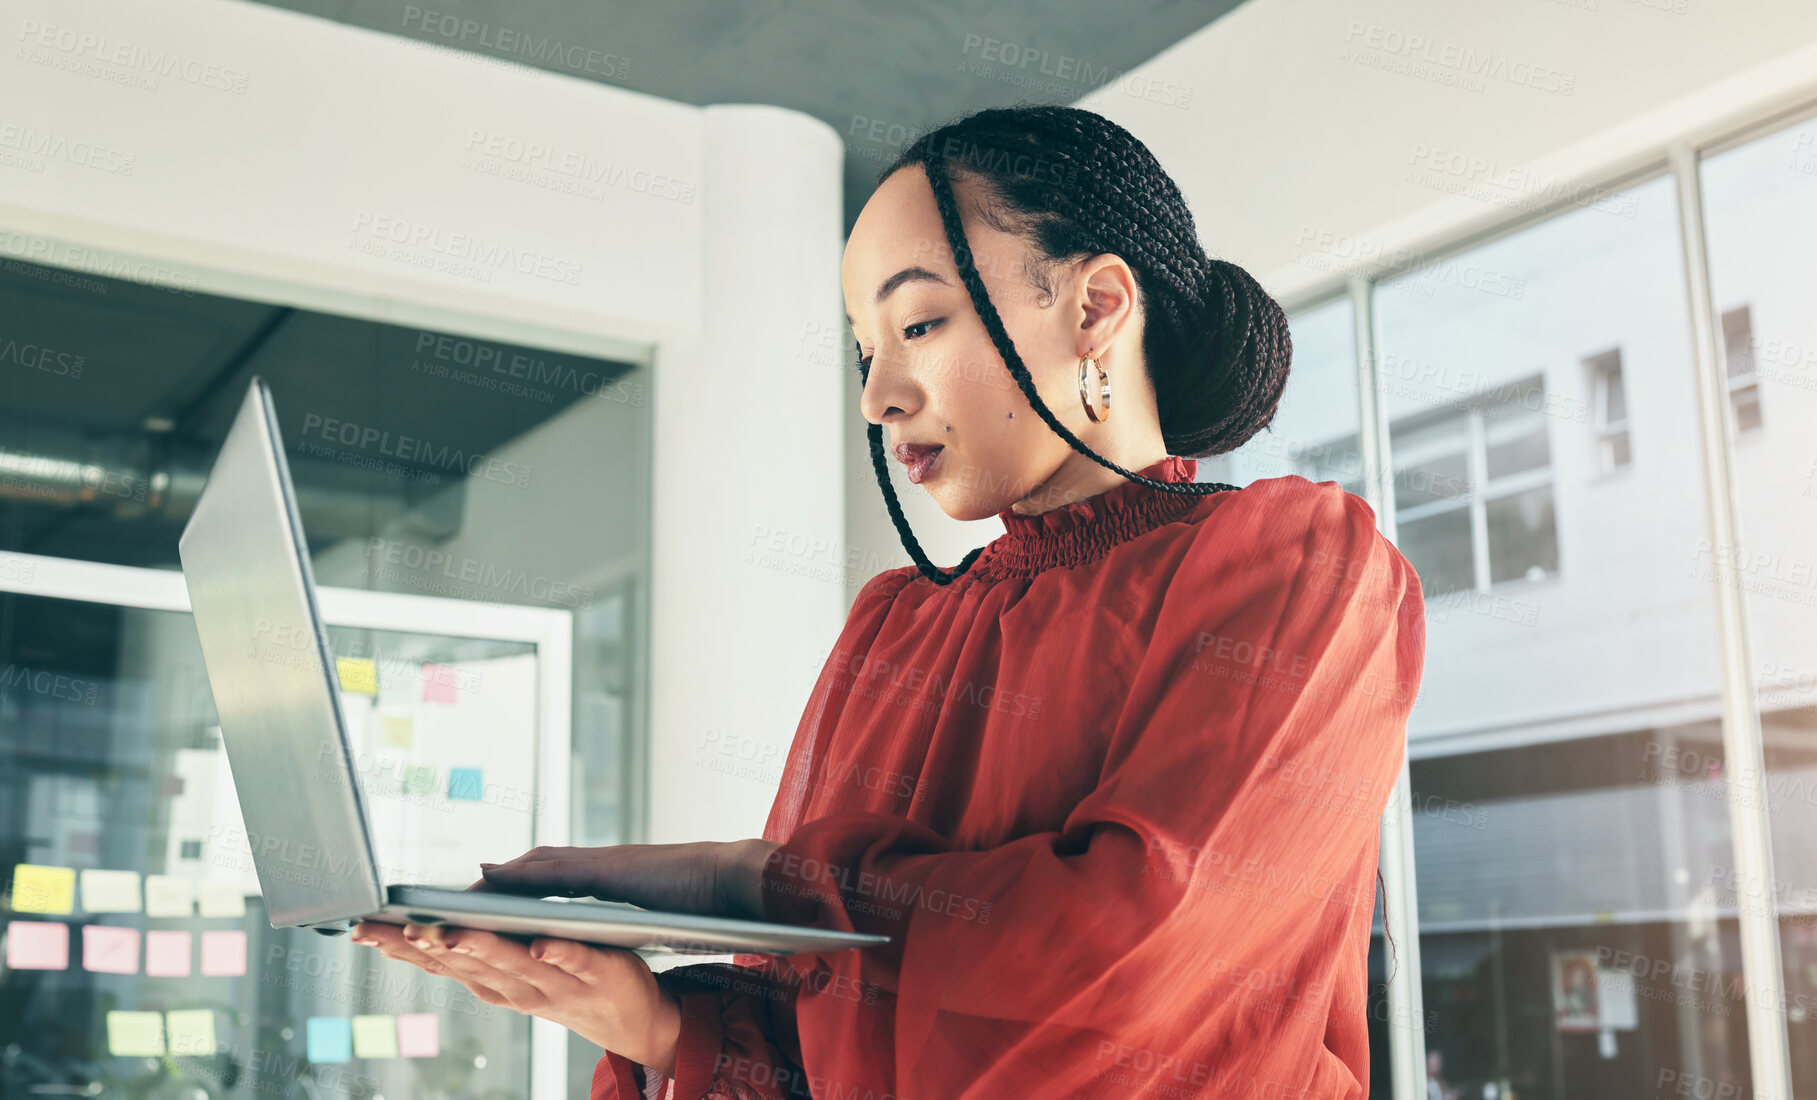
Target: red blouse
(1115, 796)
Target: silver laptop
(275, 688)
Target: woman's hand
(711, 878)
(606, 995)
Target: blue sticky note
(464, 784)
(330, 1038)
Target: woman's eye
(864, 362)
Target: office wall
(243, 150)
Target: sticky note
(107, 949)
(419, 1035)
(359, 675)
(464, 784)
(191, 1030)
(37, 945)
(419, 779)
(224, 953)
(167, 953)
(220, 899)
(375, 1036)
(110, 892)
(40, 889)
(439, 684)
(169, 896)
(399, 731)
(330, 1039)
(135, 1034)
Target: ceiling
(903, 66)
(104, 468)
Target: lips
(919, 458)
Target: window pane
(1314, 433)
(1431, 461)
(1523, 536)
(1567, 775)
(1438, 548)
(1515, 436)
(1761, 214)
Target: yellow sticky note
(135, 1034)
(110, 892)
(399, 731)
(39, 889)
(192, 1030)
(220, 899)
(375, 1036)
(359, 675)
(169, 896)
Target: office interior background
(549, 301)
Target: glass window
(1760, 213)
(139, 959)
(1609, 408)
(1570, 828)
(1314, 431)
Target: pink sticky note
(37, 945)
(110, 950)
(439, 684)
(224, 953)
(167, 954)
(418, 1035)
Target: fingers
(393, 944)
(528, 983)
(565, 875)
(590, 964)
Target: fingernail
(487, 866)
(367, 940)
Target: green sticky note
(419, 779)
(135, 1034)
(39, 889)
(375, 1036)
(192, 1030)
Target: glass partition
(1760, 216)
(1540, 398)
(138, 959)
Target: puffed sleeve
(738, 1035)
(1190, 912)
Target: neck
(1079, 477)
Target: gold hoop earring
(1085, 397)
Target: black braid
(1109, 194)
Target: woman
(1112, 785)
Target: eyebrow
(916, 274)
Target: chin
(962, 505)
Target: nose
(890, 391)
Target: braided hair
(1216, 345)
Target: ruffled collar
(1083, 530)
